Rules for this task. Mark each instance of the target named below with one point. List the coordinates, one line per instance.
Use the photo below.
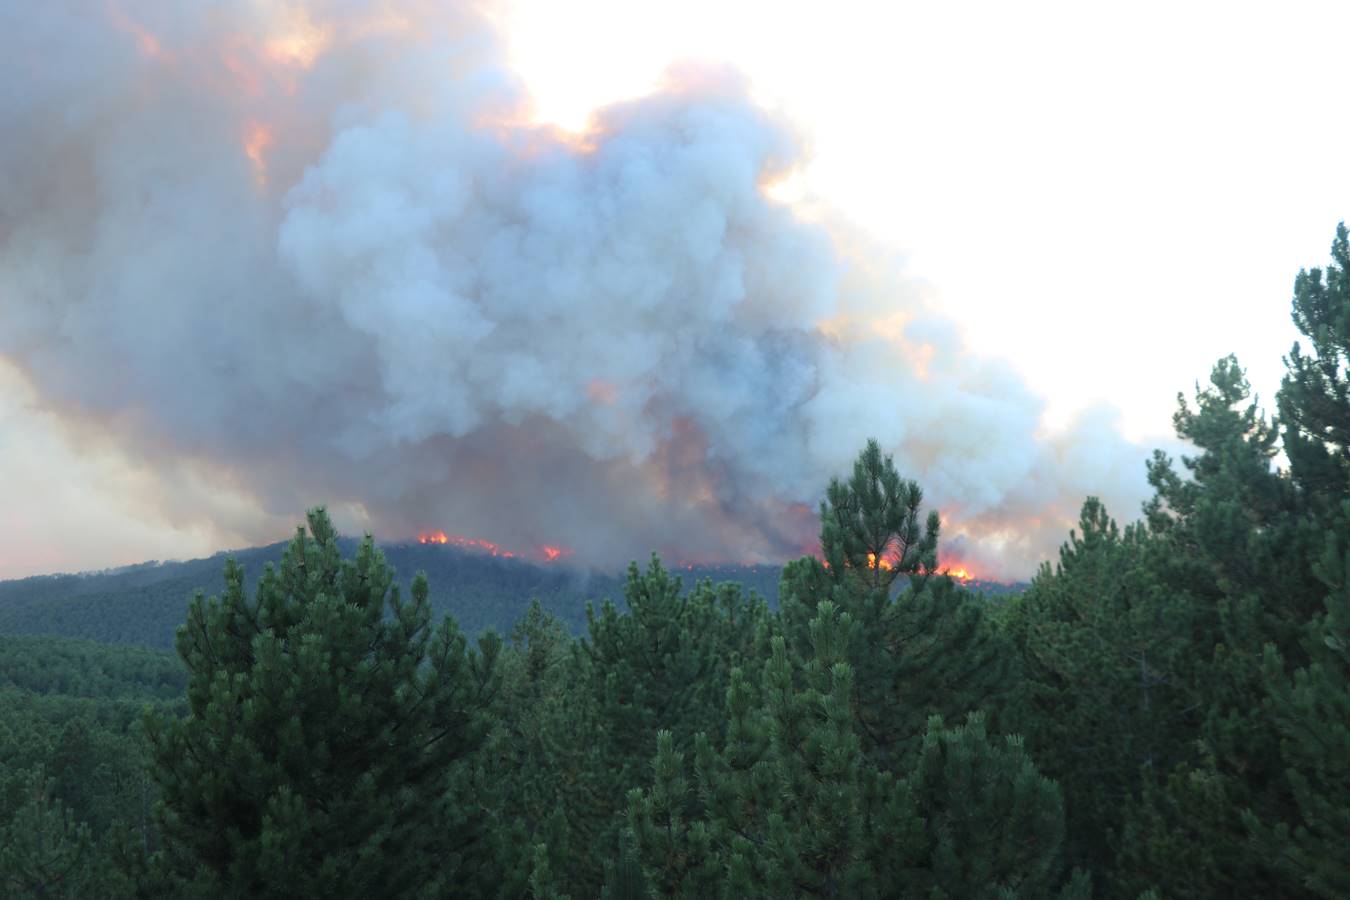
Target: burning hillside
(544, 553)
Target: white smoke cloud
(317, 250)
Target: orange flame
(467, 543)
(960, 572)
(544, 553)
(885, 564)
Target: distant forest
(145, 604)
(1164, 711)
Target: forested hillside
(76, 668)
(1164, 712)
(145, 604)
(74, 788)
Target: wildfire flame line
(958, 572)
(544, 552)
(548, 553)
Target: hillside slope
(144, 604)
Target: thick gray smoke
(316, 250)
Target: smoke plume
(318, 252)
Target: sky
(1111, 195)
(1102, 199)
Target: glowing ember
(467, 543)
(959, 572)
(544, 553)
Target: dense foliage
(328, 731)
(1164, 712)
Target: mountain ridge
(144, 603)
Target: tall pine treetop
(869, 524)
(1315, 395)
(326, 721)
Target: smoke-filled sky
(623, 277)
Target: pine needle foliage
(328, 723)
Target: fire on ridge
(547, 553)
(958, 571)
(543, 553)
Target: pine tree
(790, 806)
(1311, 710)
(994, 824)
(328, 734)
(1315, 395)
(929, 649)
(869, 525)
(44, 852)
(663, 664)
(1183, 838)
(549, 768)
(1247, 546)
(1232, 546)
(1241, 546)
(1109, 676)
(1310, 705)
(623, 878)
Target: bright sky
(1111, 196)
